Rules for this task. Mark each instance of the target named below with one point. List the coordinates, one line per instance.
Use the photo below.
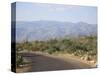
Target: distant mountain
(44, 30)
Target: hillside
(44, 30)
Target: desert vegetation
(84, 47)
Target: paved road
(40, 62)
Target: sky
(55, 12)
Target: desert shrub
(19, 60)
(85, 45)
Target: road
(40, 62)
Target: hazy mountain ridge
(44, 30)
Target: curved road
(40, 62)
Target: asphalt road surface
(40, 62)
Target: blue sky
(55, 12)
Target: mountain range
(44, 30)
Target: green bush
(19, 61)
(77, 46)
